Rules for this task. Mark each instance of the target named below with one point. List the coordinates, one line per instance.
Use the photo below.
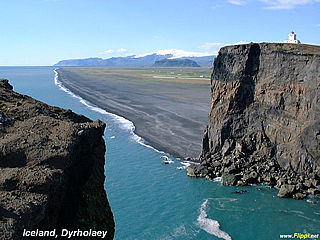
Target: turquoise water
(154, 201)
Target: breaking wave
(125, 123)
(209, 225)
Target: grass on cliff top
(177, 75)
(300, 48)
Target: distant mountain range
(175, 63)
(131, 61)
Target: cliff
(52, 168)
(264, 123)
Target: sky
(43, 32)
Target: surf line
(128, 124)
(209, 225)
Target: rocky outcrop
(264, 123)
(51, 168)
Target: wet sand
(170, 116)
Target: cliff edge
(264, 123)
(52, 168)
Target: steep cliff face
(51, 168)
(264, 123)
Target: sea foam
(124, 123)
(209, 225)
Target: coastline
(302, 214)
(127, 123)
(159, 128)
(208, 225)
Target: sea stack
(52, 169)
(264, 123)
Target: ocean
(150, 200)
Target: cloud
(121, 50)
(237, 2)
(109, 51)
(287, 4)
(276, 4)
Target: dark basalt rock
(52, 168)
(241, 192)
(5, 119)
(264, 123)
(286, 191)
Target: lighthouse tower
(292, 38)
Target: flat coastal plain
(168, 106)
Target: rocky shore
(264, 123)
(52, 169)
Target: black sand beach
(170, 115)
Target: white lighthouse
(292, 38)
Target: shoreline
(169, 135)
(90, 104)
(203, 221)
(93, 107)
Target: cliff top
(264, 119)
(286, 47)
(43, 149)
